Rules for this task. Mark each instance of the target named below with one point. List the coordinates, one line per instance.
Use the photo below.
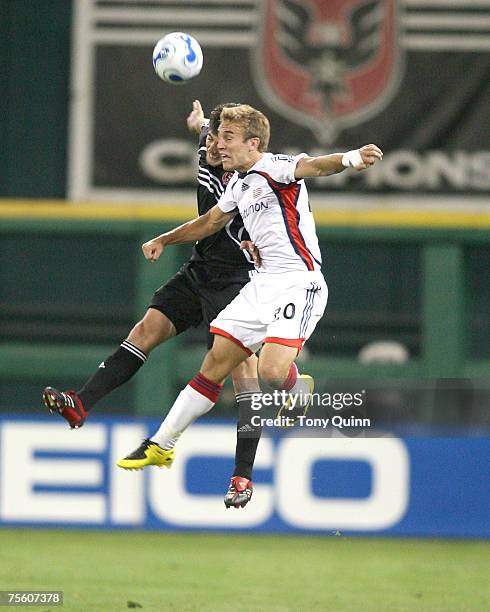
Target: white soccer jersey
(276, 213)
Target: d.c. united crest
(328, 64)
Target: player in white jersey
(279, 308)
(274, 207)
(288, 294)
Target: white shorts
(279, 308)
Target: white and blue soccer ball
(177, 58)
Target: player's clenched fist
(370, 154)
(152, 249)
(362, 158)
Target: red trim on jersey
(293, 342)
(225, 334)
(288, 194)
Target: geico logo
(32, 482)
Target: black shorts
(196, 295)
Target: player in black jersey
(216, 272)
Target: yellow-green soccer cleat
(300, 408)
(148, 453)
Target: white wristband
(352, 159)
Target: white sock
(189, 405)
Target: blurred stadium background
(96, 159)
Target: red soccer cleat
(239, 492)
(67, 404)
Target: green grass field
(202, 572)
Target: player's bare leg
(275, 362)
(277, 368)
(197, 398)
(153, 329)
(222, 359)
(244, 376)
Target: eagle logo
(226, 177)
(328, 64)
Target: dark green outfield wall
(35, 59)
(70, 291)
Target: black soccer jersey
(221, 250)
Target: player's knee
(146, 335)
(273, 374)
(140, 336)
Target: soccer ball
(177, 57)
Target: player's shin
(112, 373)
(248, 434)
(240, 490)
(198, 397)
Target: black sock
(112, 373)
(247, 438)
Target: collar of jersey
(242, 175)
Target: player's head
(215, 115)
(213, 156)
(244, 135)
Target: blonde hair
(254, 123)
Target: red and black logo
(328, 64)
(225, 179)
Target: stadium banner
(419, 486)
(409, 75)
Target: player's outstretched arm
(210, 223)
(196, 118)
(360, 159)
